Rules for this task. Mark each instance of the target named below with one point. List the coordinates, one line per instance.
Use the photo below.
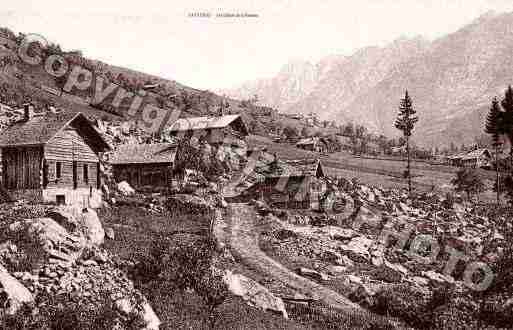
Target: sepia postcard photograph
(242, 164)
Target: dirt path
(244, 244)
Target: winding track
(244, 244)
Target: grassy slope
(384, 173)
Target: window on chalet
(86, 174)
(58, 170)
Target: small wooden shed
(144, 166)
(294, 184)
(53, 158)
(315, 143)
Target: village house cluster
(57, 157)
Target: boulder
(358, 248)
(318, 276)
(79, 222)
(92, 227)
(365, 217)
(437, 277)
(105, 190)
(9, 254)
(336, 270)
(145, 312)
(46, 239)
(396, 267)
(109, 233)
(12, 293)
(262, 207)
(125, 189)
(254, 293)
(66, 216)
(341, 234)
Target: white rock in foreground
(254, 293)
(78, 220)
(125, 188)
(14, 294)
(151, 320)
(92, 227)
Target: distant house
(144, 166)
(345, 142)
(373, 148)
(315, 143)
(477, 159)
(397, 151)
(215, 130)
(53, 158)
(294, 184)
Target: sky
(162, 38)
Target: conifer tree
(506, 124)
(493, 127)
(405, 122)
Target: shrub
(61, 312)
(189, 265)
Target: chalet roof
(310, 140)
(293, 168)
(477, 153)
(144, 154)
(199, 123)
(472, 154)
(41, 129)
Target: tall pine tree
(493, 127)
(405, 122)
(506, 125)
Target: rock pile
(374, 245)
(60, 255)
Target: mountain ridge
(451, 79)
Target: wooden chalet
(479, 158)
(295, 184)
(216, 130)
(52, 158)
(317, 144)
(144, 166)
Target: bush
(189, 265)
(61, 312)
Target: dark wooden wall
(22, 167)
(144, 175)
(69, 178)
(295, 194)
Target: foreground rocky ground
(368, 253)
(432, 261)
(55, 272)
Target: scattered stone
(109, 233)
(92, 227)
(312, 274)
(437, 277)
(358, 248)
(254, 293)
(125, 189)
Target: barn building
(479, 158)
(215, 130)
(317, 144)
(294, 184)
(146, 167)
(53, 158)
